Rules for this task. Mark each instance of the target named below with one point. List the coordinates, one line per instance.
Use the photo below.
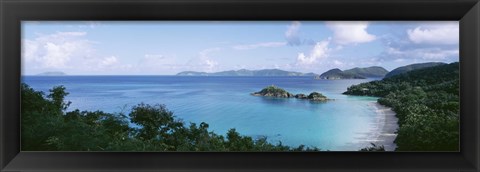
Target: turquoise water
(225, 102)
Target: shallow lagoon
(225, 102)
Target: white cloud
(210, 64)
(57, 55)
(203, 62)
(435, 34)
(422, 53)
(351, 32)
(292, 33)
(259, 45)
(428, 41)
(29, 50)
(55, 50)
(108, 61)
(319, 51)
(67, 51)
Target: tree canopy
(426, 102)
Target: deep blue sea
(225, 102)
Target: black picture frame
(12, 12)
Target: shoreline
(386, 125)
(382, 130)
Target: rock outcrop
(274, 91)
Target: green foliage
(56, 95)
(373, 148)
(426, 102)
(354, 73)
(411, 67)
(41, 119)
(273, 89)
(339, 74)
(47, 127)
(156, 121)
(316, 95)
(374, 71)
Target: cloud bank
(319, 51)
(56, 50)
(435, 34)
(351, 32)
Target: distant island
(354, 73)
(407, 68)
(245, 72)
(274, 91)
(368, 72)
(336, 73)
(52, 74)
(332, 74)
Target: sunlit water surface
(225, 102)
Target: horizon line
(40, 74)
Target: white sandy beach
(386, 127)
(383, 129)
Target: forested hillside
(426, 102)
(407, 68)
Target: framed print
(239, 85)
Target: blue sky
(169, 47)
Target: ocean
(225, 103)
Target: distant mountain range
(368, 72)
(411, 67)
(245, 72)
(52, 74)
(373, 72)
(355, 73)
(338, 74)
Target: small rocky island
(274, 91)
